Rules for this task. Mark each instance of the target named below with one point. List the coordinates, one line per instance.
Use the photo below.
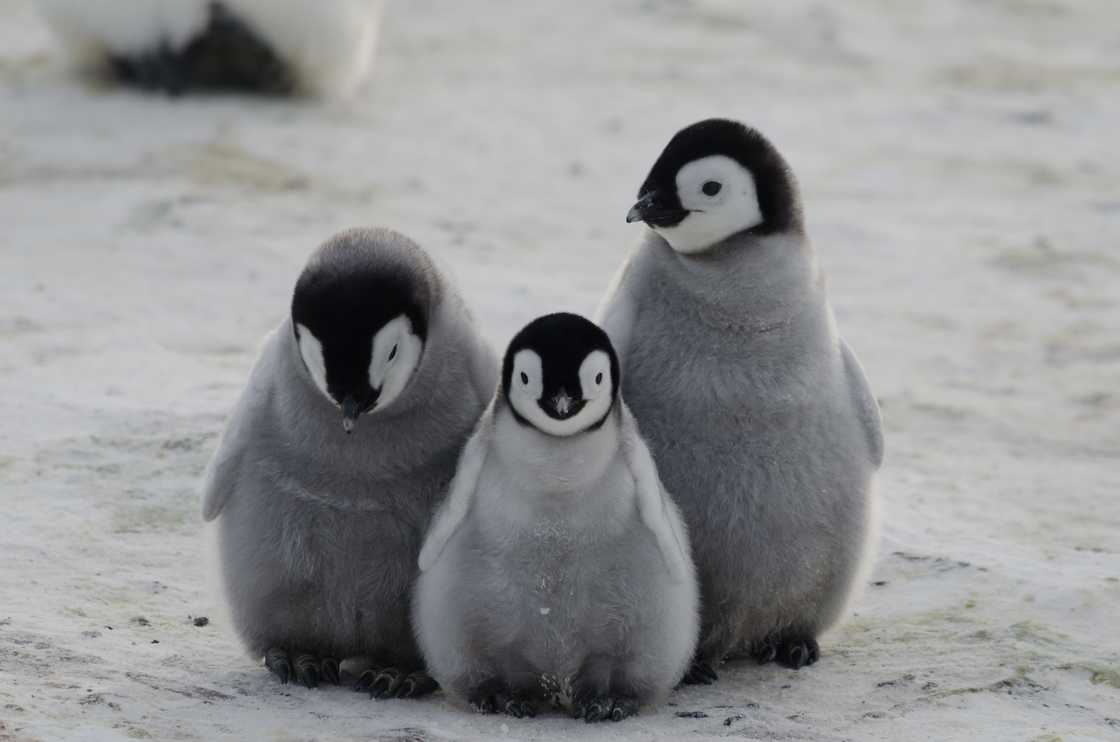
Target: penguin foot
(699, 673)
(416, 684)
(380, 682)
(792, 652)
(276, 660)
(306, 669)
(518, 707)
(488, 697)
(604, 708)
(329, 670)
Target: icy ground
(962, 185)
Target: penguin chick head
(560, 375)
(360, 325)
(717, 178)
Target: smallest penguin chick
(558, 566)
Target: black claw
(362, 684)
(606, 708)
(385, 683)
(276, 660)
(307, 670)
(700, 673)
(624, 708)
(417, 684)
(765, 651)
(329, 670)
(487, 697)
(517, 707)
(797, 653)
(598, 710)
(483, 705)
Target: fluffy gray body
(761, 424)
(319, 530)
(553, 582)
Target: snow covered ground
(962, 185)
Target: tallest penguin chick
(341, 446)
(757, 413)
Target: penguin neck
(554, 466)
(755, 284)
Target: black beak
(350, 412)
(562, 407)
(654, 211)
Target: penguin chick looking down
(360, 329)
(758, 414)
(558, 565)
(342, 444)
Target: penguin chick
(757, 413)
(558, 565)
(342, 444)
(266, 46)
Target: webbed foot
(604, 708)
(790, 651)
(303, 667)
(518, 706)
(700, 672)
(390, 682)
(416, 684)
(276, 660)
(329, 670)
(380, 682)
(488, 697)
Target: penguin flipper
(455, 508)
(866, 405)
(619, 310)
(483, 370)
(224, 470)
(658, 513)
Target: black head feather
(775, 184)
(348, 292)
(562, 340)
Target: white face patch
(595, 376)
(396, 353)
(527, 387)
(311, 350)
(722, 200)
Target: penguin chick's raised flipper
(343, 442)
(758, 415)
(558, 562)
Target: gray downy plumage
(319, 529)
(758, 415)
(557, 569)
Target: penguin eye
(524, 378)
(393, 353)
(599, 378)
(711, 188)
